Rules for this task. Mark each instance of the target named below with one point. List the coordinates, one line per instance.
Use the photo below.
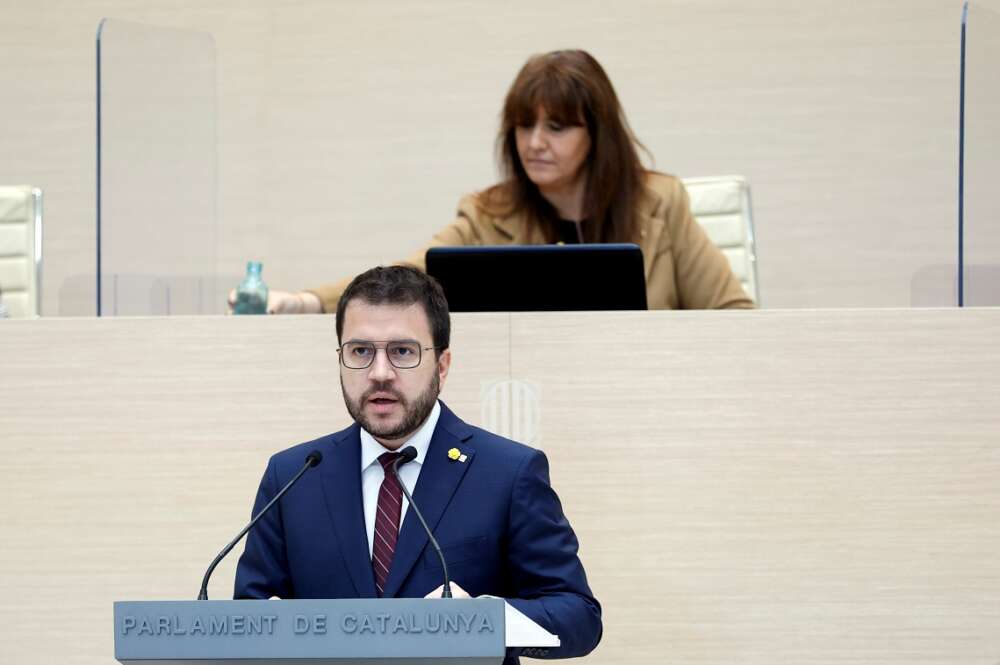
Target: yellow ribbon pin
(454, 454)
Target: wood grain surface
(811, 487)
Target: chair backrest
(21, 250)
(721, 205)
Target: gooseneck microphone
(312, 459)
(408, 454)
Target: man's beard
(414, 414)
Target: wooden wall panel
(791, 487)
(809, 487)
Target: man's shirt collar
(421, 440)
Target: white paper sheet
(523, 632)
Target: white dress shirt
(372, 473)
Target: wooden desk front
(762, 487)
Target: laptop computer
(534, 278)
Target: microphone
(408, 454)
(312, 459)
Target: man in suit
(345, 530)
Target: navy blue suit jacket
(496, 517)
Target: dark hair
(573, 89)
(400, 285)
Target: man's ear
(443, 365)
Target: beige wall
(348, 130)
(818, 488)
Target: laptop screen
(534, 278)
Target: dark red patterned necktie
(390, 507)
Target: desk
(754, 487)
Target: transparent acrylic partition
(980, 284)
(156, 164)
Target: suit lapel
(438, 480)
(503, 226)
(342, 489)
(649, 229)
(515, 230)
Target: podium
(389, 631)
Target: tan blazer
(684, 269)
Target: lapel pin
(455, 454)
(462, 458)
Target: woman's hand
(285, 302)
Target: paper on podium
(523, 632)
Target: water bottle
(251, 294)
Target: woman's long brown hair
(573, 89)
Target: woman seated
(572, 174)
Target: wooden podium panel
(754, 487)
(779, 486)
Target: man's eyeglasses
(401, 355)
